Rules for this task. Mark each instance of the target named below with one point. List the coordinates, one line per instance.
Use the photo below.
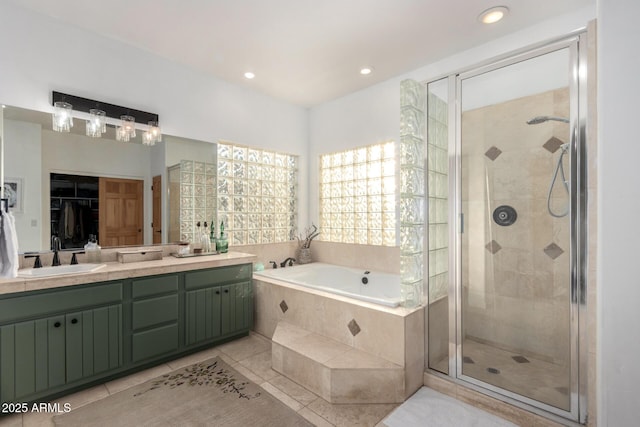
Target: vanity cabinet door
(93, 342)
(235, 307)
(32, 357)
(202, 315)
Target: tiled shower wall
(516, 278)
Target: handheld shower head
(542, 119)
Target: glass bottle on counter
(92, 250)
(213, 242)
(223, 243)
(204, 239)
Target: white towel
(9, 261)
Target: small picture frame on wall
(13, 188)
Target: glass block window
(257, 194)
(358, 195)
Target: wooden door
(120, 212)
(156, 225)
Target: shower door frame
(576, 43)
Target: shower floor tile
(537, 379)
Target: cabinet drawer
(49, 302)
(155, 342)
(153, 311)
(154, 285)
(220, 275)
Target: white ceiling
(302, 51)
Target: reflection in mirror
(40, 157)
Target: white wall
(40, 54)
(618, 208)
(23, 153)
(373, 114)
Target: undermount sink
(60, 270)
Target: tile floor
(538, 379)
(251, 356)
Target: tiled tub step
(337, 372)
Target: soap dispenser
(92, 250)
(204, 239)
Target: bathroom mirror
(35, 157)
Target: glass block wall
(438, 189)
(257, 194)
(358, 195)
(412, 191)
(197, 197)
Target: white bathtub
(381, 288)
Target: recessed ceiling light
(366, 70)
(493, 15)
(249, 75)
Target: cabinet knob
(56, 325)
(226, 291)
(217, 292)
(74, 321)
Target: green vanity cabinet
(41, 351)
(65, 338)
(154, 317)
(217, 303)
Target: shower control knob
(504, 215)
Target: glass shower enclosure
(506, 227)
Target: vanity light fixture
(493, 15)
(98, 113)
(366, 71)
(249, 75)
(62, 119)
(127, 128)
(152, 135)
(97, 123)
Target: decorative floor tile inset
(283, 306)
(553, 144)
(467, 359)
(354, 328)
(493, 246)
(520, 359)
(493, 370)
(553, 251)
(493, 153)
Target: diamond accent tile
(494, 247)
(493, 370)
(553, 251)
(520, 359)
(467, 359)
(283, 306)
(354, 328)
(493, 153)
(553, 144)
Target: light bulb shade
(152, 135)
(127, 129)
(62, 119)
(97, 123)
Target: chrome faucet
(55, 246)
(289, 260)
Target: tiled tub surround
(339, 347)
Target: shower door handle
(461, 223)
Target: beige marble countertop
(119, 271)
